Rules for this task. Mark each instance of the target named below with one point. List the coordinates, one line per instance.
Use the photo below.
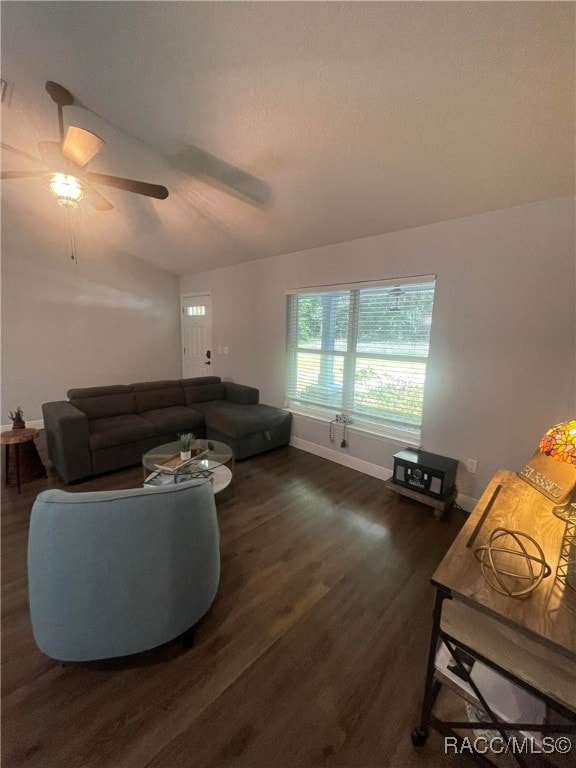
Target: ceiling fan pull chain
(71, 236)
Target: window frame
(396, 429)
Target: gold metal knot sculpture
(512, 562)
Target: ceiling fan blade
(80, 146)
(222, 175)
(128, 185)
(20, 174)
(96, 200)
(51, 154)
(21, 152)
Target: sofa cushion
(200, 380)
(145, 386)
(110, 389)
(202, 393)
(105, 406)
(240, 420)
(240, 393)
(175, 418)
(118, 430)
(160, 397)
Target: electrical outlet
(471, 465)
(225, 350)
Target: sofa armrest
(240, 393)
(67, 439)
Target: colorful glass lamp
(560, 443)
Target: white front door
(196, 336)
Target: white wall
(502, 354)
(110, 319)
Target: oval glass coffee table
(210, 466)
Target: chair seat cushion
(241, 420)
(118, 430)
(176, 418)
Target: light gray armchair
(118, 572)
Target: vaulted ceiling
(279, 127)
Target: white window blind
(361, 350)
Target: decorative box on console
(427, 473)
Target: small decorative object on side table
(17, 420)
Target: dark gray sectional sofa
(100, 429)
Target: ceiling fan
(64, 163)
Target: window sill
(386, 434)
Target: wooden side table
(20, 442)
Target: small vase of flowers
(17, 420)
(186, 440)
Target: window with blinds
(362, 351)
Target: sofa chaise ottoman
(101, 429)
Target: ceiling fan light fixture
(66, 189)
(72, 154)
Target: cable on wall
(344, 421)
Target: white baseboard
(38, 424)
(366, 467)
(466, 502)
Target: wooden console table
(531, 642)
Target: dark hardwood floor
(312, 654)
